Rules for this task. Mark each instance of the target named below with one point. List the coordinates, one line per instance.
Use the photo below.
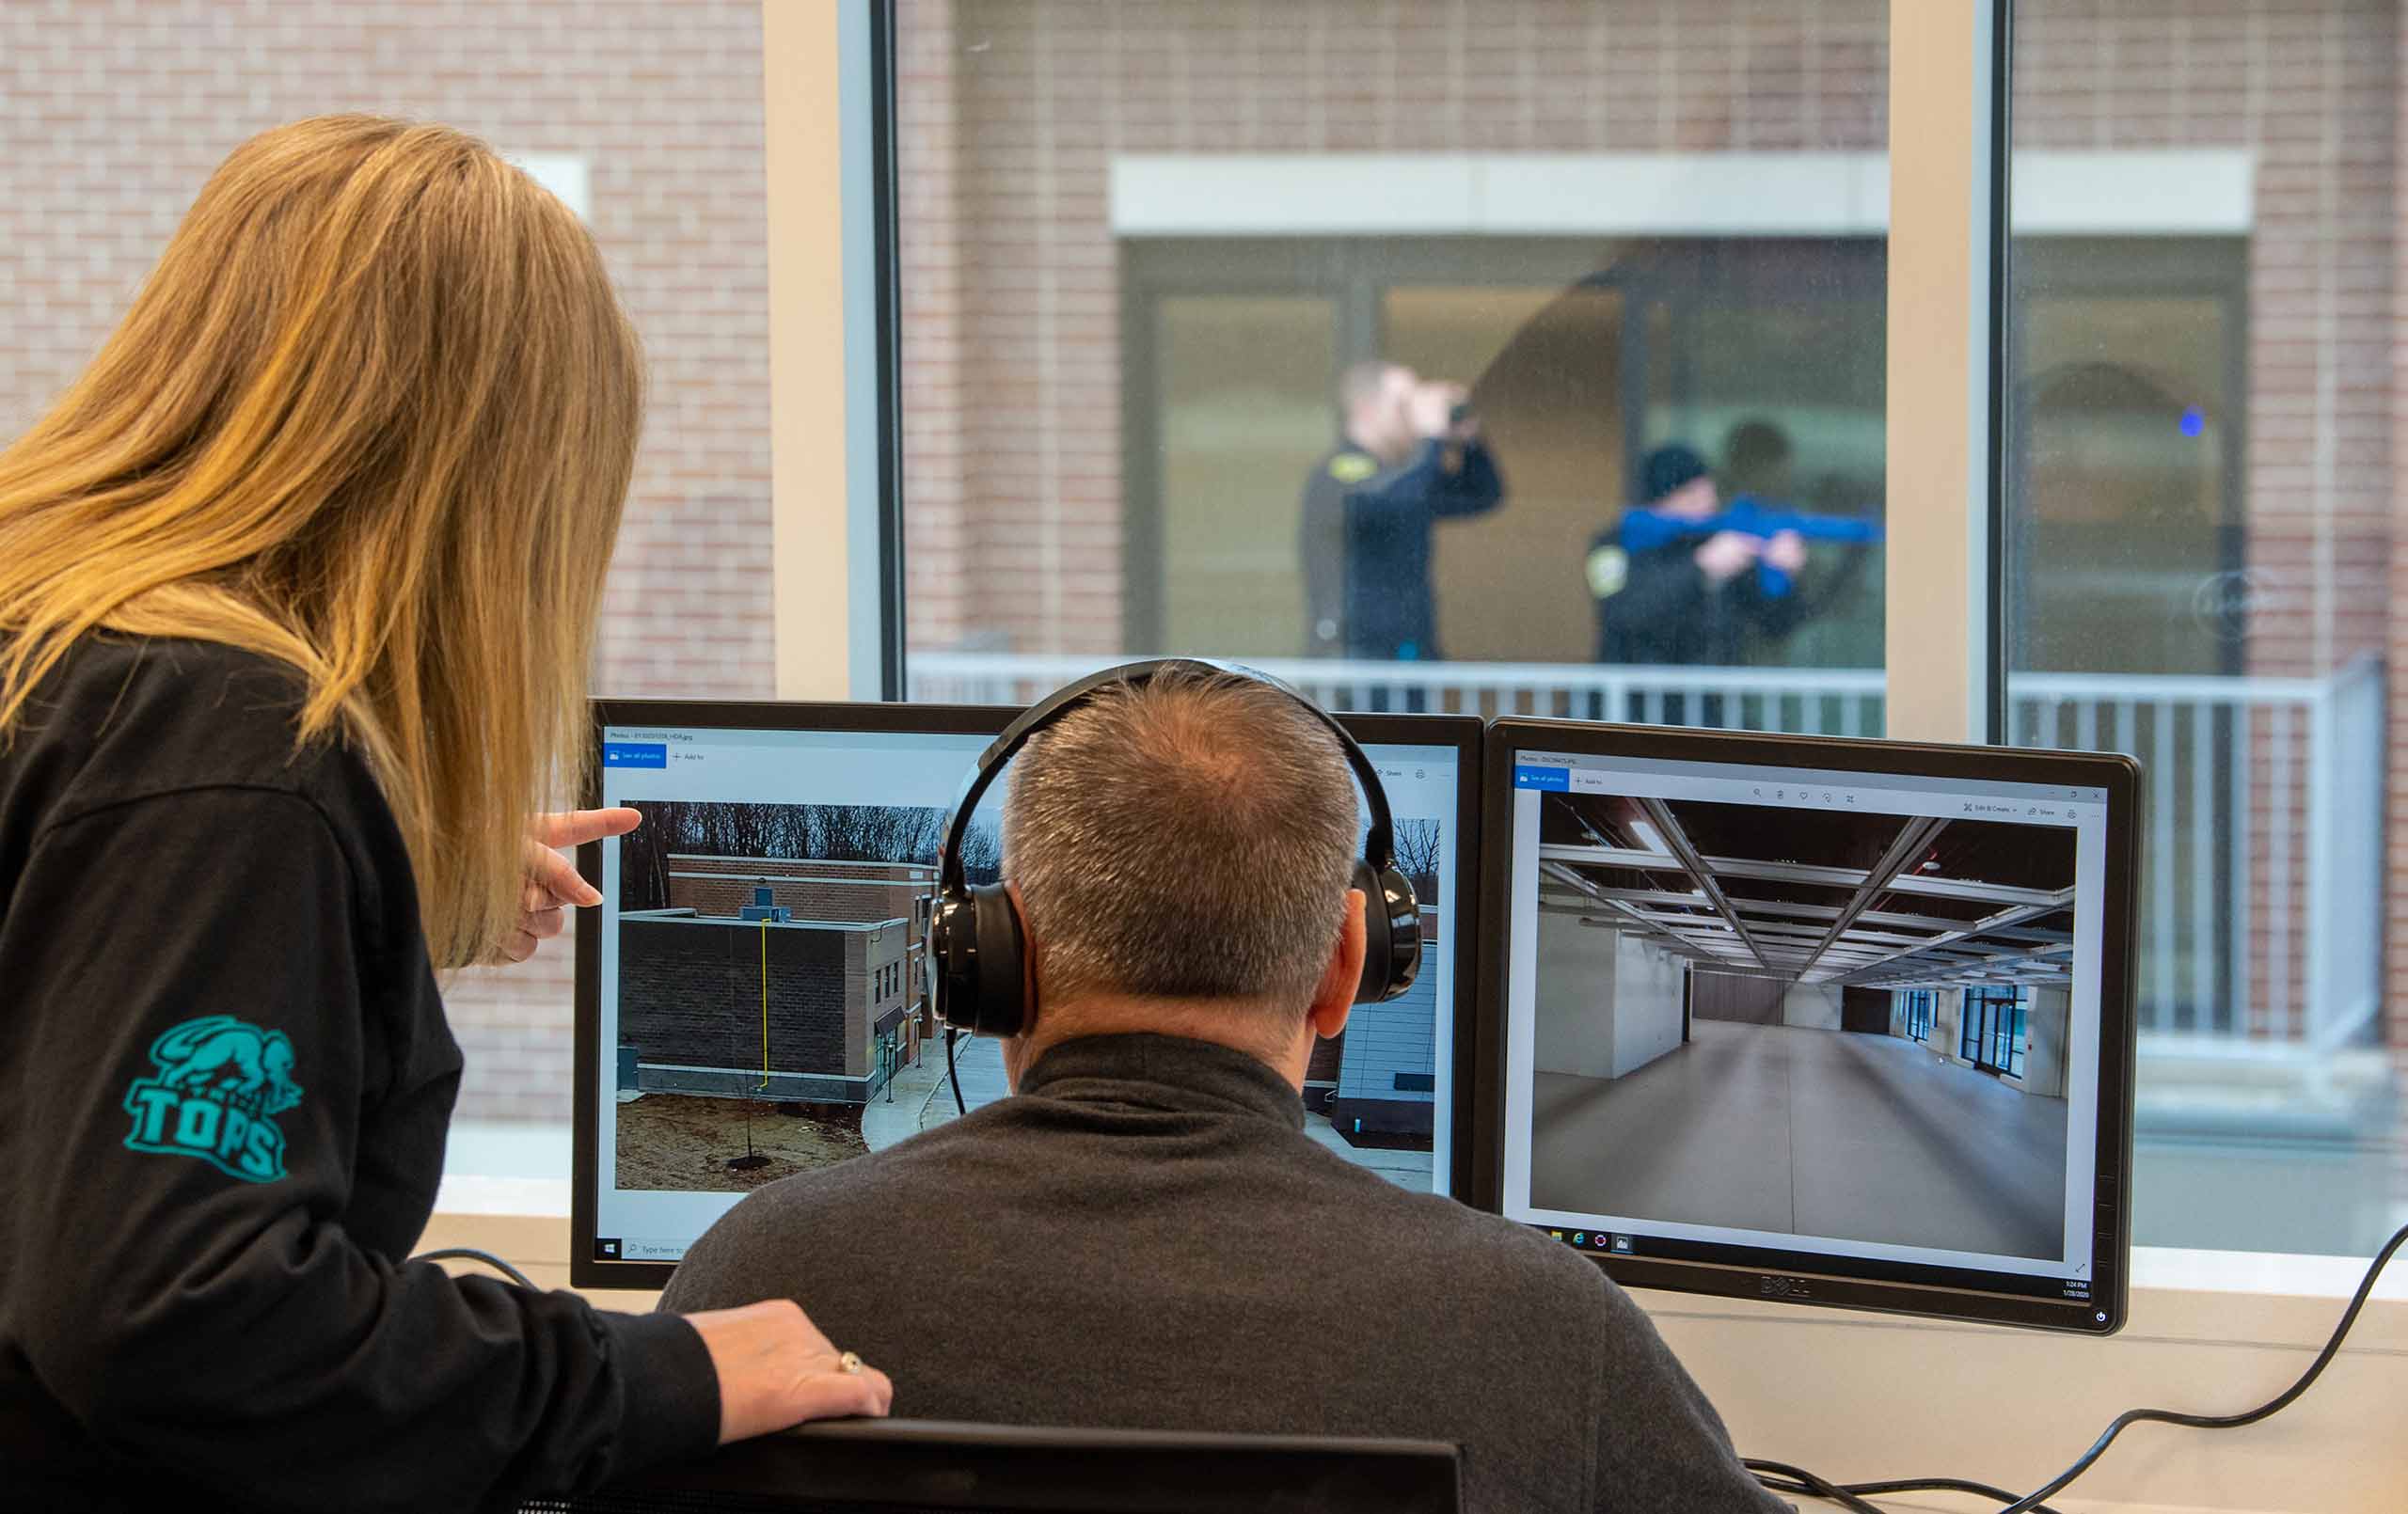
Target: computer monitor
(1844, 1022)
(751, 999)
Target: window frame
(1949, 248)
(2226, 1311)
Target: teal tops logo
(219, 1087)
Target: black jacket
(1656, 609)
(1143, 1237)
(1366, 544)
(227, 1083)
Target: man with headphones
(1143, 1236)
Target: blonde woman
(297, 588)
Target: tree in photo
(1419, 849)
(790, 832)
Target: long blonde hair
(375, 416)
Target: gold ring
(849, 1363)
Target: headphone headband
(1379, 844)
(977, 956)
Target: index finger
(574, 827)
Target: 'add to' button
(635, 754)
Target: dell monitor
(1848, 1022)
(752, 999)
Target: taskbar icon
(1616, 1244)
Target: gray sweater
(1143, 1237)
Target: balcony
(2261, 888)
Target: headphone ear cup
(1391, 933)
(953, 959)
(1372, 986)
(1000, 1006)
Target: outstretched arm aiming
(1475, 486)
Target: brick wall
(2395, 818)
(112, 112)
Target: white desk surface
(1863, 1397)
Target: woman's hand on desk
(776, 1369)
(553, 883)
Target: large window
(2199, 534)
(1196, 292)
(1917, 1004)
(1130, 309)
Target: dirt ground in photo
(676, 1142)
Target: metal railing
(2261, 887)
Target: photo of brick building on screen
(768, 955)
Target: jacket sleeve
(1660, 1445)
(203, 1046)
(1473, 486)
(1772, 616)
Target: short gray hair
(1188, 837)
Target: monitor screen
(752, 992)
(1836, 1021)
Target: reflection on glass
(1338, 337)
(2189, 581)
(1241, 379)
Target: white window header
(2176, 192)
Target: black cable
(1789, 1479)
(1943, 1485)
(469, 1254)
(1783, 1479)
(953, 1074)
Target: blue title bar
(635, 754)
(1556, 779)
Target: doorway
(1993, 1032)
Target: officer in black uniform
(1694, 601)
(1411, 455)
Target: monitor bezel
(1798, 1277)
(1464, 733)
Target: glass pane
(2200, 536)
(1537, 347)
(1240, 376)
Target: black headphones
(977, 955)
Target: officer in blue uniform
(1411, 455)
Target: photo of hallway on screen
(1795, 1021)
